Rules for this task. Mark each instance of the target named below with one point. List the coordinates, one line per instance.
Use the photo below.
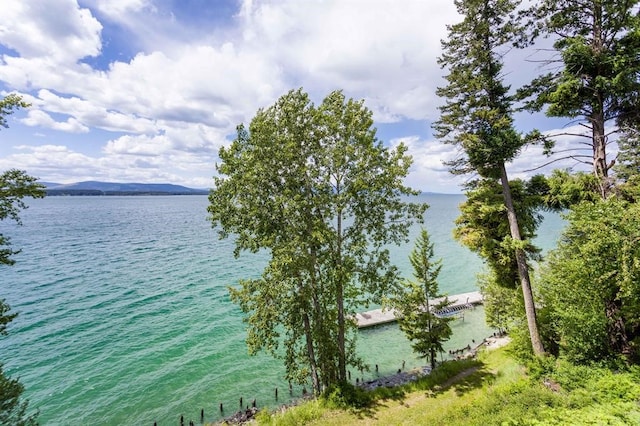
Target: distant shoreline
(98, 193)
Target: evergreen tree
(627, 168)
(316, 188)
(484, 228)
(415, 304)
(477, 114)
(598, 42)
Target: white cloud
(57, 163)
(41, 118)
(173, 102)
(118, 8)
(56, 29)
(428, 171)
(383, 51)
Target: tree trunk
(600, 167)
(597, 119)
(616, 329)
(523, 268)
(342, 361)
(315, 382)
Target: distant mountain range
(114, 188)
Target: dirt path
(461, 375)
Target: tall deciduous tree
(598, 81)
(315, 188)
(15, 185)
(416, 306)
(477, 114)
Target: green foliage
(5, 317)
(627, 168)
(494, 390)
(294, 416)
(483, 226)
(591, 283)
(628, 161)
(584, 395)
(13, 410)
(347, 395)
(415, 303)
(566, 189)
(15, 185)
(316, 188)
(598, 42)
(8, 105)
(477, 111)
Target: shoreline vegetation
(386, 383)
(490, 387)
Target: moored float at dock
(459, 303)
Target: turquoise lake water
(125, 317)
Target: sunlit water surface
(125, 317)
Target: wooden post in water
(221, 409)
(241, 403)
(276, 394)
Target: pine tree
(416, 306)
(477, 114)
(598, 43)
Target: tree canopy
(597, 81)
(315, 188)
(591, 282)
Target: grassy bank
(492, 390)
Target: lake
(125, 317)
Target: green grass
(493, 390)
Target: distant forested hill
(114, 188)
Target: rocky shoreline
(398, 379)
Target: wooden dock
(380, 316)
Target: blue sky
(149, 90)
